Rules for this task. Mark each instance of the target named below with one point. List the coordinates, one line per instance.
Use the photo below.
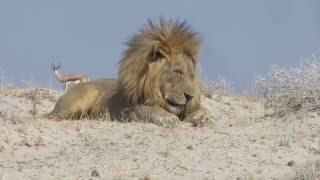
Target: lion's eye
(180, 73)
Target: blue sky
(242, 39)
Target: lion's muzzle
(177, 105)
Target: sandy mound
(243, 144)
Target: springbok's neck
(58, 75)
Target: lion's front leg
(156, 115)
(199, 118)
(197, 115)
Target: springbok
(67, 79)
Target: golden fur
(139, 81)
(146, 69)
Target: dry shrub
(32, 93)
(5, 83)
(286, 90)
(12, 117)
(309, 172)
(221, 87)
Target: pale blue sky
(242, 39)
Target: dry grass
(311, 171)
(32, 93)
(11, 117)
(221, 87)
(5, 83)
(290, 90)
(284, 142)
(166, 153)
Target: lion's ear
(160, 52)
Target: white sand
(242, 143)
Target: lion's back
(81, 98)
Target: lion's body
(158, 81)
(82, 99)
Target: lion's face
(177, 83)
(159, 67)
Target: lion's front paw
(200, 118)
(168, 120)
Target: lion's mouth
(175, 107)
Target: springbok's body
(68, 79)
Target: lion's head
(159, 68)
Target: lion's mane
(140, 69)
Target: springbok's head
(56, 68)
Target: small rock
(190, 147)
(291, 163)
(94, 173)
(27, 143)
(128, 136)
(2, 148)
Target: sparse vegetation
(5, 83)
(32, 93)
(311, 171)
(11, 117)
(166, 153)
(284, 142)
(221, 87)
(288, 90)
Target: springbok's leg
(65, 86)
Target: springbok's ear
(160, 52)
(59, 65)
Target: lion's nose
(188, 96)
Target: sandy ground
(242, 144)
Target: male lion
(158, 81)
